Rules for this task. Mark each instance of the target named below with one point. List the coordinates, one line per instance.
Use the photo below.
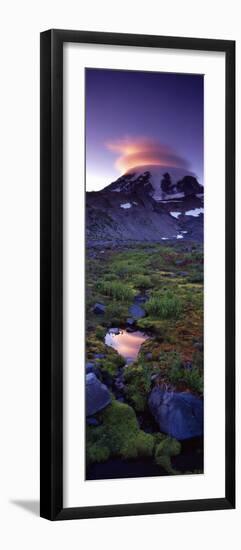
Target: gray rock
(179, 415)
(99, 309)
(97, 395)
(148, 356)
(136, 311)
(91, 367)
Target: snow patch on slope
(195, 212)
(126, 205)
(175, 214)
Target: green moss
(118, 435)
(110, 364)
(111, 361)
(116, 313)
(164, 450)
(138, 384)
(95, 452)
(94, 345)
(171, 363)
(194, 379)
(157, 327)
(100, 332)
(108, 367)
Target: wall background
(19, 290)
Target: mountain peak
(162, 183)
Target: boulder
(136, 311)
(179, 415)
(99, 309)
(97, 395)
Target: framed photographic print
(137, 274)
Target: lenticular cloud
(135, 152)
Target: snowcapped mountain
(147, 203)
(151, 178)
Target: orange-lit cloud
(143, 151)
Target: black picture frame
(51, 325)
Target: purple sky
(135, 118)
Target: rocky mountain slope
(150, 203)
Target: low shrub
(100, 332)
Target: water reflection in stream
(126, 343)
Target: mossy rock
(118, 435)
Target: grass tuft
(164, 306)
(115, 289)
